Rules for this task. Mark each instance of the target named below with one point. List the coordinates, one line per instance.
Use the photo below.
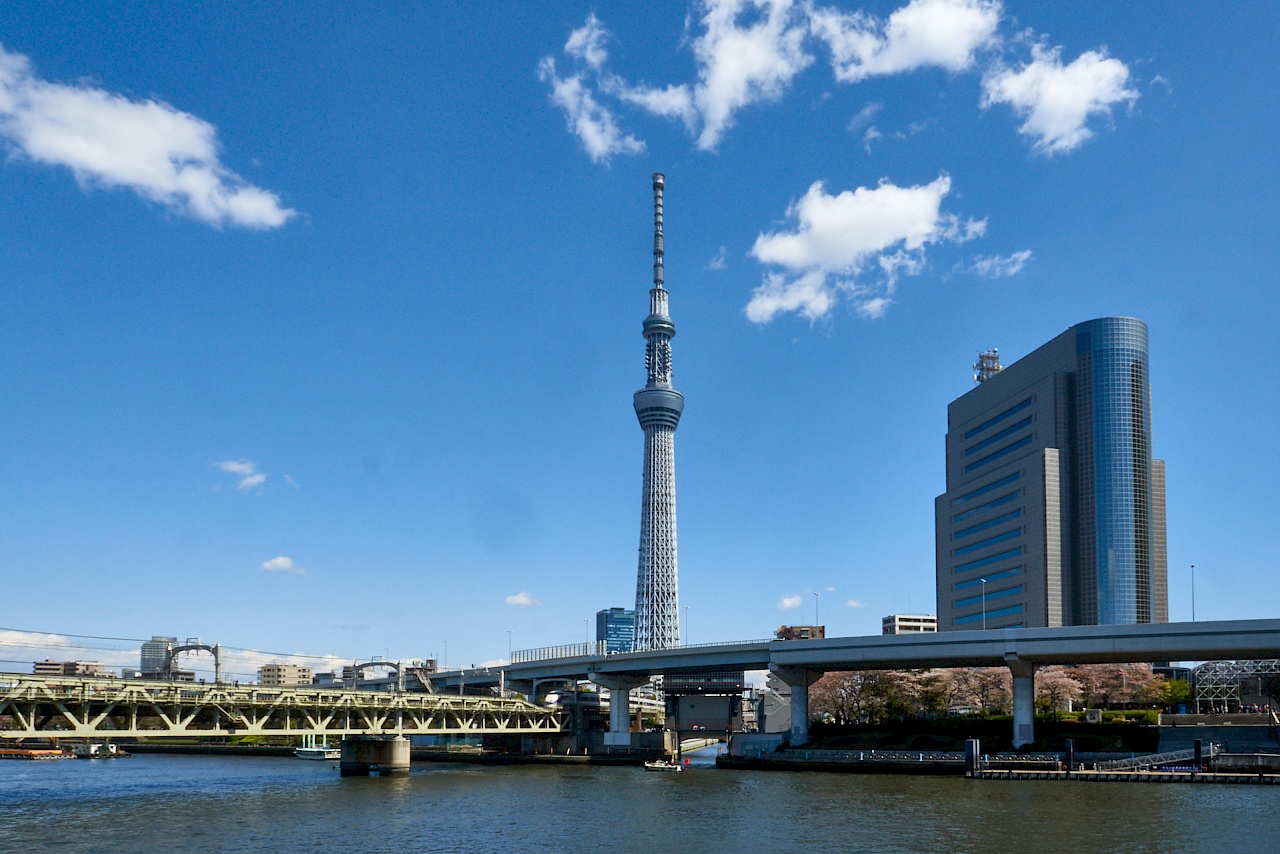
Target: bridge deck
(79, 707)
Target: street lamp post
(686, 625)
(586, 632)
(984, 604)
(817, 597)
(1193, 593)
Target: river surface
(203, 803)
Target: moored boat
(310, 750)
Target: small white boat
(311, 750)
(660, 765)
(97, 751)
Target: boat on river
(661, 765)
(310, 750)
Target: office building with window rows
(1054, 513)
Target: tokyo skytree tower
(658, 406)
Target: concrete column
(1024, 701)
(361, 755)
(619, 685)
(799, 679)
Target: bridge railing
(579, 650)
(571, 650)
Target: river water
(200, 803)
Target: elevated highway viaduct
(800, 663)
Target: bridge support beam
(799, 678)
(619, 734)
(1024, 700)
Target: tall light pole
(686, 625)
(817, 597)
(984, 604)
(509, 653)
(1193, 592)
(586, 632)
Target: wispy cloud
(720, 261)
(282, 564)
(790, 603)
(855, 603)
(996, 266)
(159, 152)
(522, 600)
(827, 251)
(245, 470)
(1056, 101)
(749, 53)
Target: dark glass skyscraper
(1054, 510)
(617, 628)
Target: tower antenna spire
(659, 183)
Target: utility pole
(1193, 592)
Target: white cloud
(246, 470)
(855, 603)
(996, 266)
(808, 294)
(789, 603)
(748, 52)
(522, 600)
(592, 123)
(282, 564)
(1056, 101)
(741, 65)
(587, 43)
(106, 140)
(720, 261)
(289, 480)
(870, 136)
(941, 33)
(835, 236)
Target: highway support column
(619, 685)
(1024, 700)
(799, 678)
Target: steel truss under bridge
(1218, 682)
(61, 707)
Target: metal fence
(571, 650)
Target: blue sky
(319, 326)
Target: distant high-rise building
(155, 653)
(283, 675)
(908, 624)
(617, 628)
(658, 406)
(1054, 513)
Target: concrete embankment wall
(1232, 739)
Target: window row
(983, 490)
(996, 437)
(990, 523)
(991, 422)
(989, 615)
(989, 541)
(1007, 449)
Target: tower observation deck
(658, 406)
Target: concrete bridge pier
(799, 678)
(1024, 700)
(363, 754)
(619, 685)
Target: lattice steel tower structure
(658, 406)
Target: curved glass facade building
(1054, 509)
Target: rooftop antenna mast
(987, 366)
